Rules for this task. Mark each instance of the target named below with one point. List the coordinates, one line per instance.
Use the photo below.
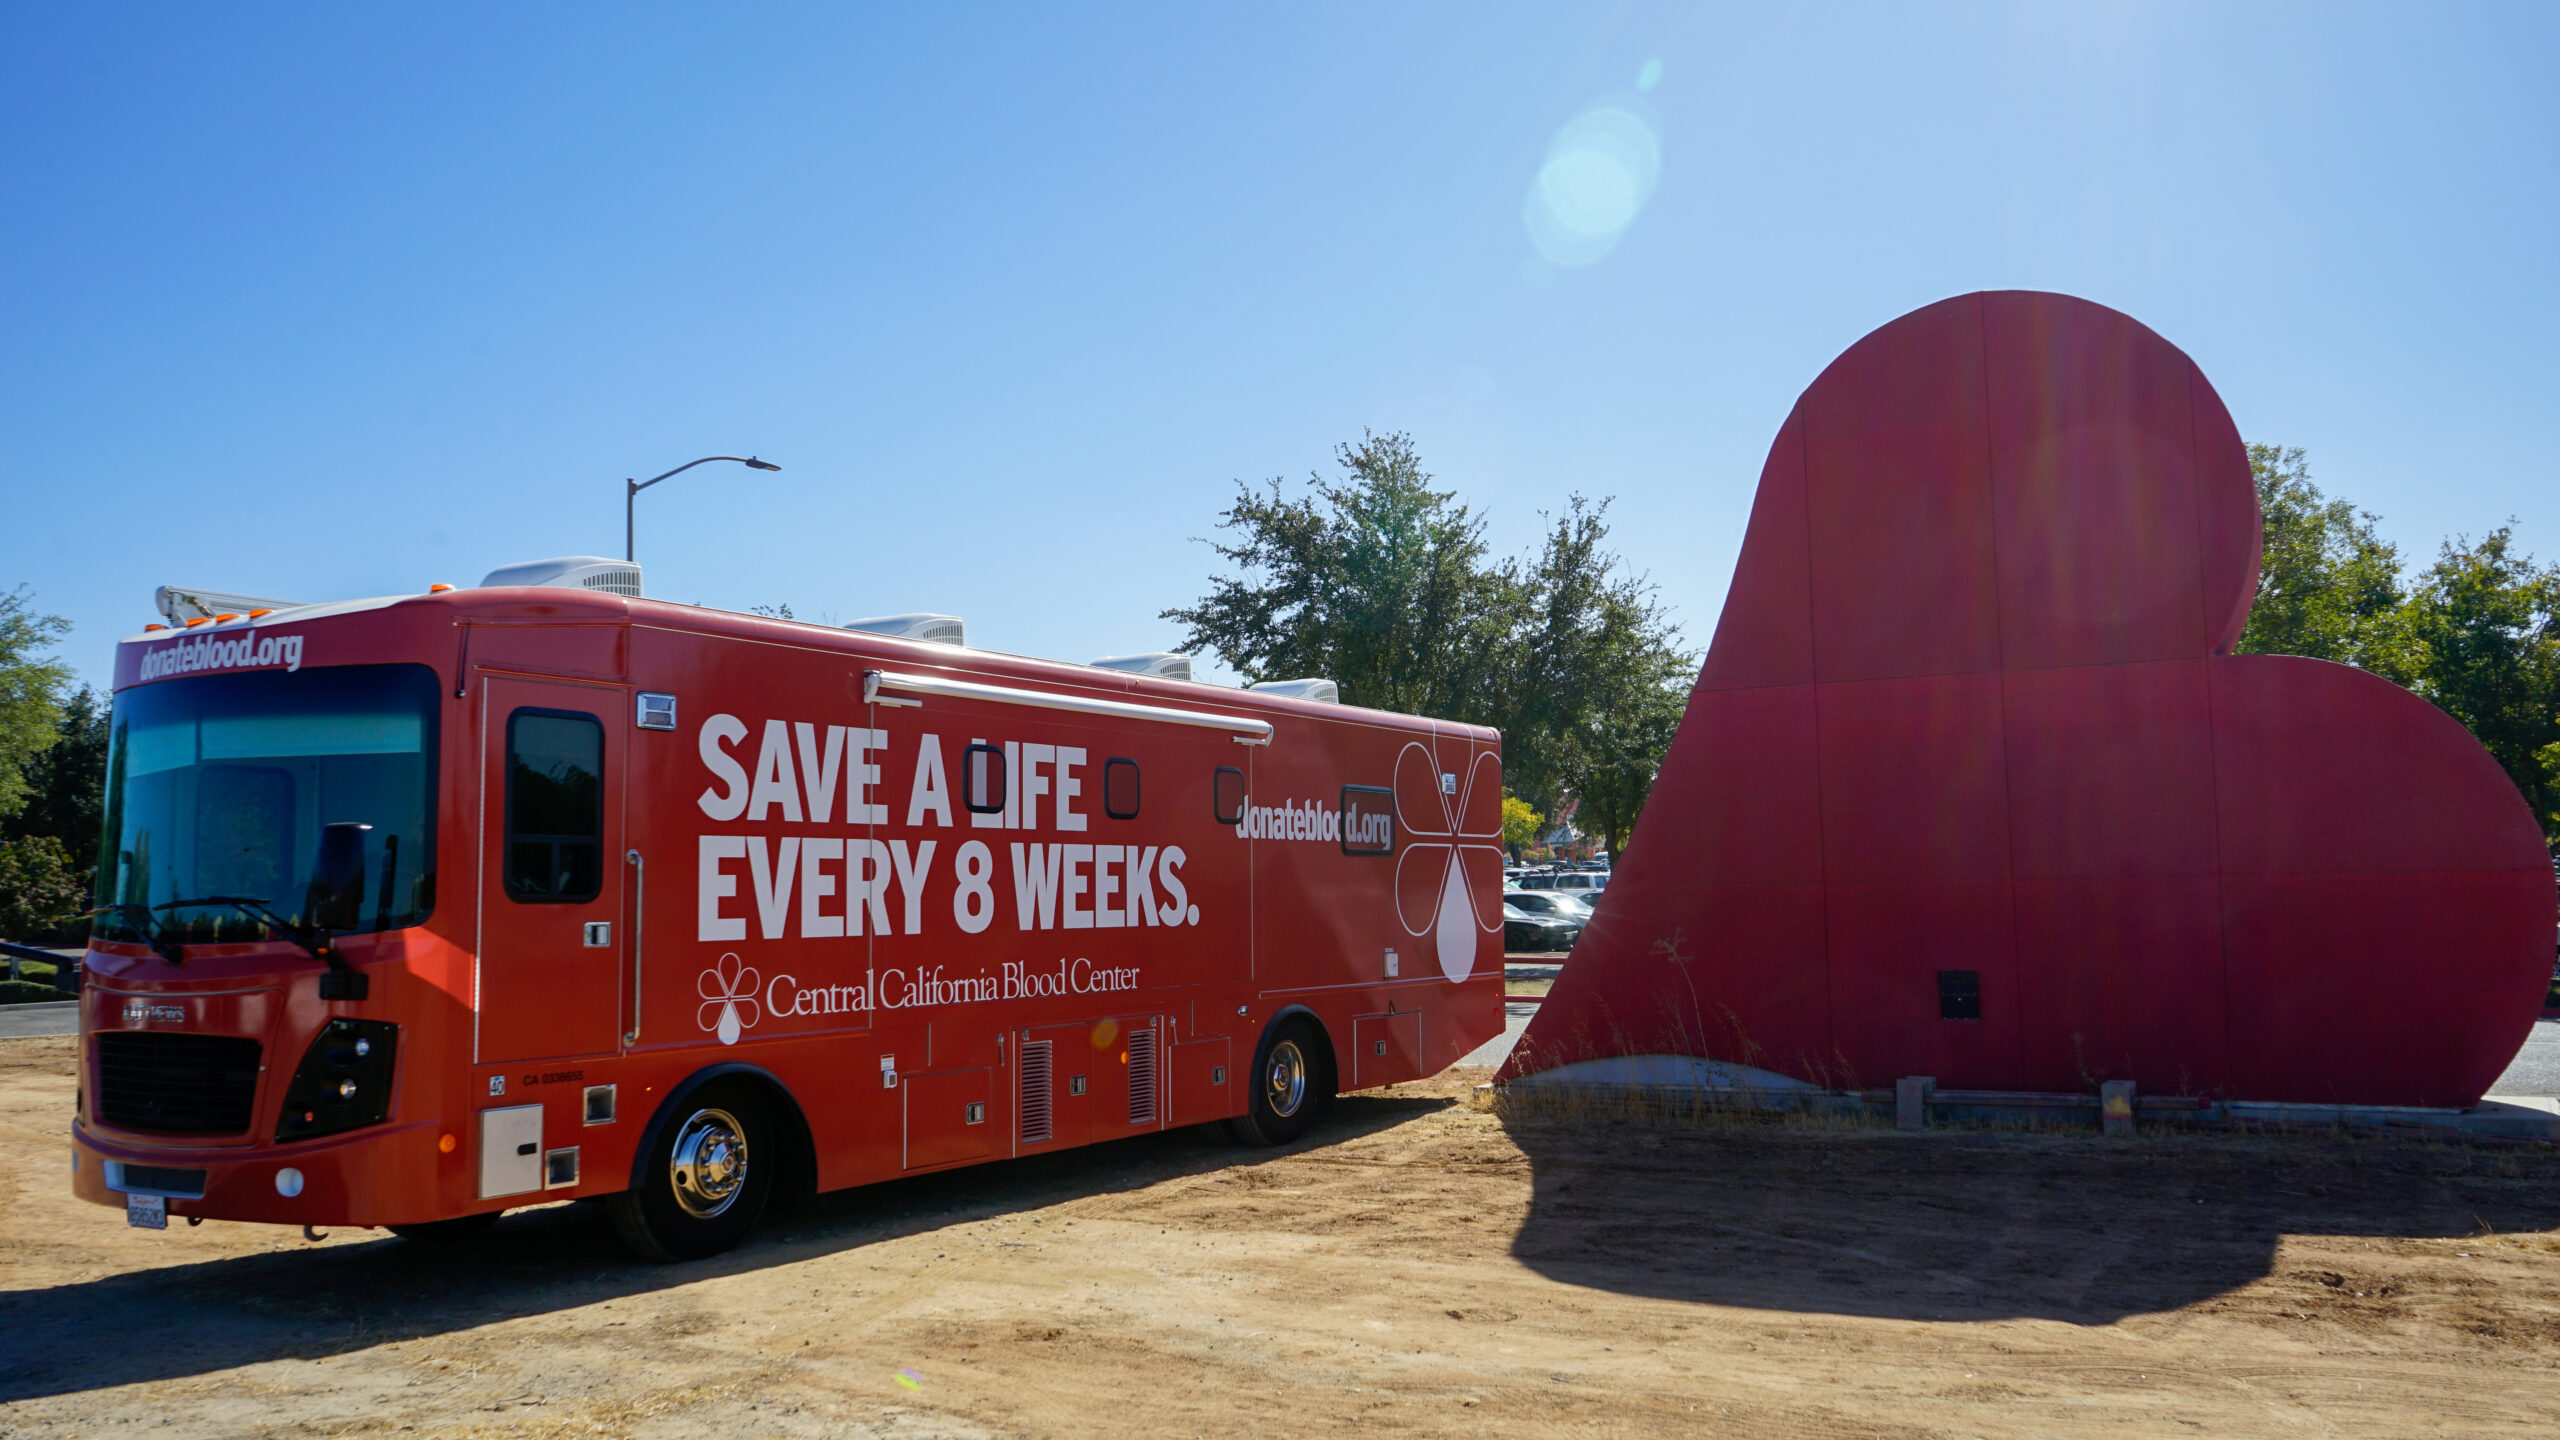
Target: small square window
(1226, 796)
(982, 776)
(1120, 788)
(657, 712)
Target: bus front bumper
(389, 1174)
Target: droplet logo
(1434, 896)
(728, 992)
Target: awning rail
(875, 681)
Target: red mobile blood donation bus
(419, 908)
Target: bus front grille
(176, 1084)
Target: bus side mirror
(336, 898)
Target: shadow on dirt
(185, 1320)
(1979, 1225)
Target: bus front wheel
(704, 1179)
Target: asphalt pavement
(45, 1017)
(2536, 1069)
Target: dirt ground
(1416, 1266)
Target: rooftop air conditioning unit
(1160, 664)
(1323, 692)
(182, 604)
(937, 629)
(571, 572)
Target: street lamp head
(631, 488)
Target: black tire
(703, 1177)
(1289, 1083)
(447, 1232)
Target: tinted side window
(1226, 796)
(1120, 788)
(1368, 820)
(555, 806)
(982, 779)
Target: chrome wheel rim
(1284, 1080)
(709, 1163)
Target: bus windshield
(219, 785)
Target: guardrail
(65, 967)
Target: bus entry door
(552, 922)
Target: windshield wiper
(256, 909)
(159, 939)
(343, 982)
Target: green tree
(2329, 585)
(1613, 754)
(1519, 824)
(1376, 581)
(2484, 638)
(66, 781)
(30, 692)
(1385, 585)
(39, 889)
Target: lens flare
(1599, 171)
(910, 1379)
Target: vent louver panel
(1142, 1077)
(1034, 1108)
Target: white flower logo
(727, 989)
(1439, 852)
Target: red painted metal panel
(2120, 978)
(2227, 517)
(2110, 770)
(1898, 502)
(1911, 779)
(1758, 817)
(1765, 636)
(1742, 978)
(2325, 768)
(2382, 988)
(1888, 943)
(2094, 485)
(2020, 532)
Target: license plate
(150, 1212)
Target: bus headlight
(344, 1082)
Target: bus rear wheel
(1286, 1086)
(704, 1179)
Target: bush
(39, 891)
(27, 992)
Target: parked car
(1527, 934)
(1562, 904)
(1574, 881)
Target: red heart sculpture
(1971, 707)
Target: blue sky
(321, 303)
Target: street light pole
(632, 489)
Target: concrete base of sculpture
(1679, 1084)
